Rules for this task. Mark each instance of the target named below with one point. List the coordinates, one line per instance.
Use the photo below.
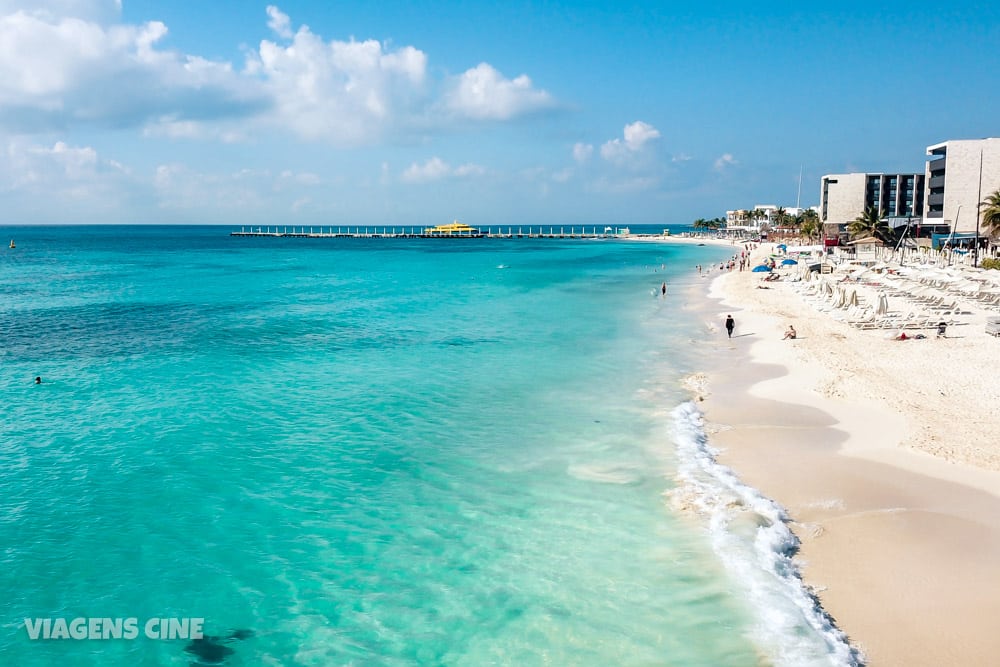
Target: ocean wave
(749, 532)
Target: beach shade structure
(788, 262)
(762, 268)
(883, 304)
(783, 246)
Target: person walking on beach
(730, 325)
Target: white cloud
(61, 182)
(433, 170)
(638, 133)
(67, 63)
(725, 160)
(483, 93)
(636, 136)
(469, 170)
(436, 169)
(563, 175)
(347, 92)
(55, 72)
(582, 152)
(279, 22)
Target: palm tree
(809, 228)
(780, 216)
(991, 213)
(808, 223)
(870, 223)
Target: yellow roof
(452, 227)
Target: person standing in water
(663, 289)
(730, 325)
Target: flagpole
(798, 197)
(979, 208)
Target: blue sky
(317, 113)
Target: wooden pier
(424, 233)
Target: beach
(880, 450)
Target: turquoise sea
(374, 452)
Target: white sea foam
(609, 473)
(750, 535)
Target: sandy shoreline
(882, 453)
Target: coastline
(899, 532)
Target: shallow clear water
(368, 452)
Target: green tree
(991, 213)
(780, 216)
(809, 224)
(870, 223)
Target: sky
(415, 113)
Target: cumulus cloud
(343, 91)
(66, 63)
(484, 93)
(582, 152)
(436, 169)
(636, 136)
(279, 22)
(433, 170)
(55, 72)
(724, 161)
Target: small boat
(12, 244)
(455, 228)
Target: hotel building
(899, 198)
(960, 174)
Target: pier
(391, 232)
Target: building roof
(868, 240)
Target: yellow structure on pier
(455, 228)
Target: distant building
(899, 198)
(960, 174)
(760, 218)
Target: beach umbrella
(762, 268)
(782, 246)
(788, 262)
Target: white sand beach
(884, 452)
